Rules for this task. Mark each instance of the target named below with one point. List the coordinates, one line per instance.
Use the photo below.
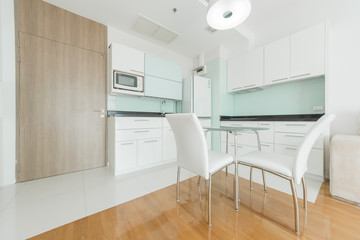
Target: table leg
(227, 148)
(236, 177)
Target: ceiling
(268, 21)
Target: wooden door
(61, 87)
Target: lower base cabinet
(149, 152)
(136, 143)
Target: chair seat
(270, 161)
(218, 160)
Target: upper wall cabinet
(307, 50)
(163, 79)
(246, 71)
(126, 59)
(157, 67)
(277, 61)
(254, 69)
(235, 73)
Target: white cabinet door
(235, 79)
(125, 156)
(169, 144)
(127, 59)
(149, 152)
(266, 136)
(308, 52)
(254, 69)
(315, 161)
(277, 61)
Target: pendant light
(227, 14)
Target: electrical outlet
(318, 108)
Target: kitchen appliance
(197, 99)
(128, 82)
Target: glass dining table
(235, 131)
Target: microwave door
(124, 81)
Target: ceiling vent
(148, 27)
(210, 29)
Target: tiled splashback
(287, 98)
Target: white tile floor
(28, 209)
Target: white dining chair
(289, 168)
(192, 152)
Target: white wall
(7, 93)
(115, 35)
(343, 89)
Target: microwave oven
(128, 82)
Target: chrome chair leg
(251, 184)
(198, 183)
(296, 206)
(209, 201)
(264, 182)
(178, 185)
(304, 192)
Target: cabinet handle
(265, 145)
(136, 71)
(280, 79)
(295, 125)
(295, 136)
(142, 131)
(301, 75)
(265, 124)
(124, 144)
(288, 148)
(252, 85)
(236, 88)
(141, 120)
(151, 141)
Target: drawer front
(136, 134)
(293, 127)
(137, 122)
(149, 152)
(266, 136)
(125, 156)
(239, 124)
(241, 149)
(296, 139)
(315, 160)
(267, 147)
(247, 139)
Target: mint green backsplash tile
(139, 104)
(287, 98)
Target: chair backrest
(192, 152)
(300, 166)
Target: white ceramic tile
(8, 193)
(23, 220)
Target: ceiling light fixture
(227, 14)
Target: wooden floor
(260, 216)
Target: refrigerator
(197, 99)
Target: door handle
(101, 111)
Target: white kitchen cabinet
(315, 161)
(246, 71)
(235, 73)
(126, 156)
(126, 59)
(149, 152)
(136, 143)
(254, 69)
(307, 50)
(281, 137)
(277, 61)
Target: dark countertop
(134, 114)
(298, 117)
